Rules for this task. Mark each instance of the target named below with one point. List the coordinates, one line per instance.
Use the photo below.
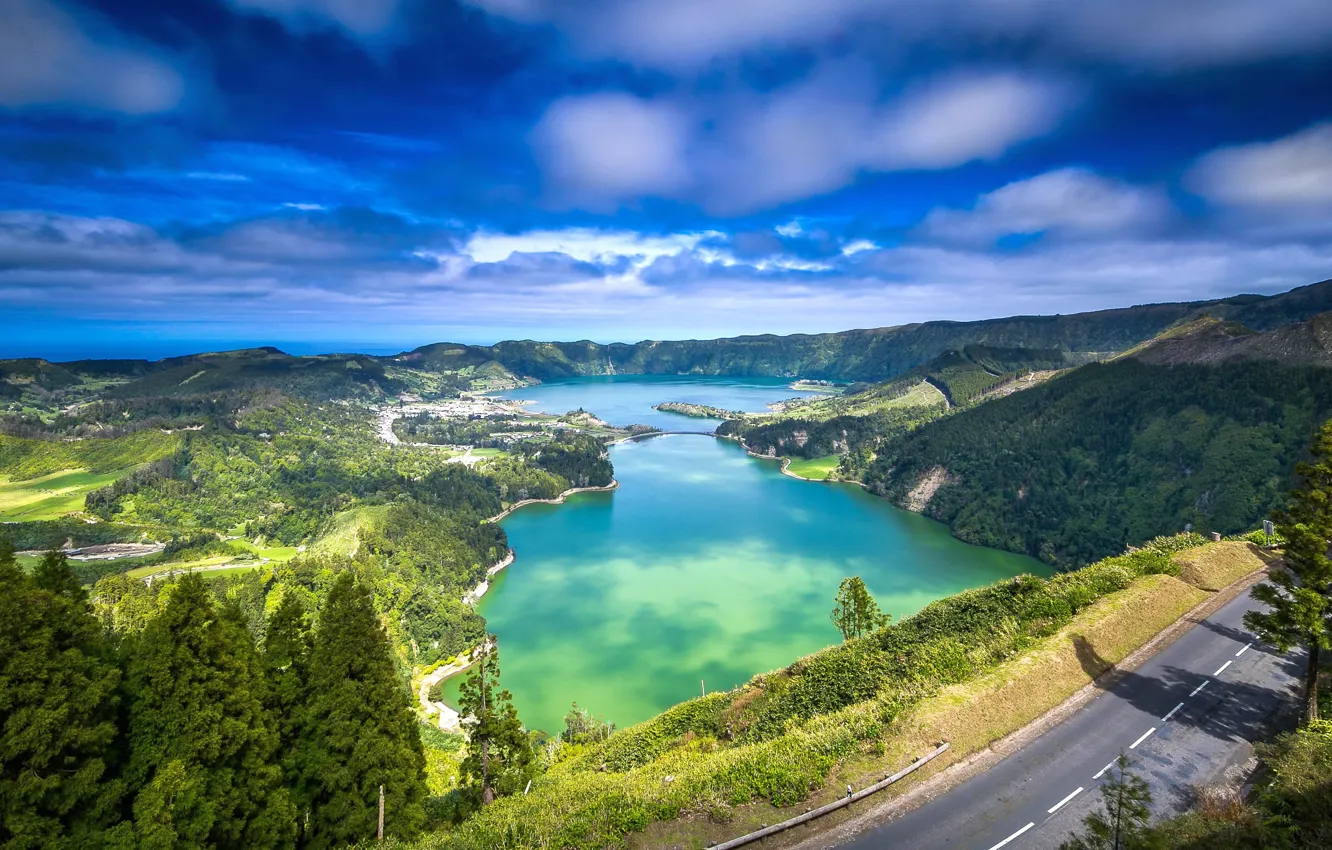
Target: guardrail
(831, 807)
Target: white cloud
(366, 18)
(1065, 200)
(684, 34)
(1292, 172)
(50, 58)
(735, 154)
(278, 273)
(218, 176)
(961, 118)
(603, 149)
(585, 244)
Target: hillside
(855, 423)
(876, 354)
(1201, 426)
(1216, 341)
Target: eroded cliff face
(918, 498)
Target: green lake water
(706, 564)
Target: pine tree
(1299, 594)
(856, 613)
(1122, 825)
(288, 643)
(499, 759)
(202, 760)
(57, 711)
(362, 730)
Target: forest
(1112, 454)
(184, 728)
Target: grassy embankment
(970, 669)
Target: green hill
(882, 353)
(1200, 427)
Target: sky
(179, 175)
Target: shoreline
(449, 721)
(785, 462)
(471, 596)
(558, 500)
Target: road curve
(1183, 717)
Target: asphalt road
(1183, 718)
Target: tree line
(193, 732)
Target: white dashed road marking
(1057, 806)
(1144, 737)
(1011, 837)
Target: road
(1184, 717)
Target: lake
(628, 399)
(706, 564)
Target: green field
(200, 565)
(273, 553)
(50, 496)
(489, 453)
(816, 469)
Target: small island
(698, 411)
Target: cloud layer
(49, 57)
(653, 168)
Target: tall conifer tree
(362, 731)
(1299, 592)
(288, 643)
(57, 711)
(499, 758)
(202, 747)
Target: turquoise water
(706, 564)
(628, 399)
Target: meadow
(50, 496)
(815, 469)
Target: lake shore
(786, 462)
(448, 716)
(558, 500)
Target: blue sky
(377, 174)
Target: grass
(923, 394)
(340, 537)
(1216, 565)
(50, 496)
(816, 469)
(272, 553)
(22, 458)
(974, 714)
(219, 572)
(969, 669)
(489, 453)
(201, 564)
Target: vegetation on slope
(778, 737)
(1112, 454)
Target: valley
(655, 555)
